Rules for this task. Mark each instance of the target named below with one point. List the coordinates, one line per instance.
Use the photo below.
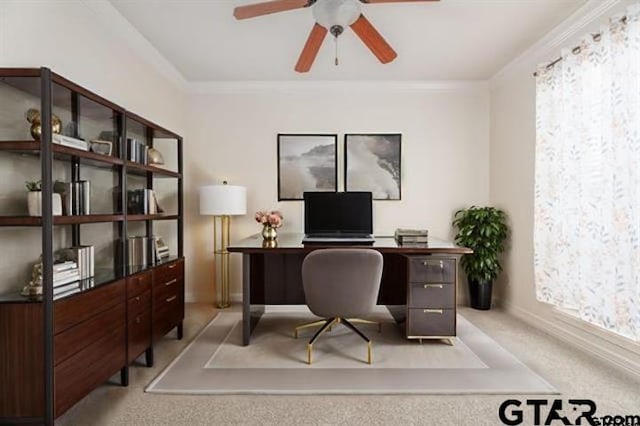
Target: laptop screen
(338, 212)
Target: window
(587, 179)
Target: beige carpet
(274, 363)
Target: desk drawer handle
(171, 299)
(426, 263)
(433, 286)
(172, 266)
(433, 311)
(173, 281)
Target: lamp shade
(223, 200)
(336, 12)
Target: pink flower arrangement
(272, 218)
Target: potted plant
(484, 230)
(34, 199)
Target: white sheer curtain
(587, 179)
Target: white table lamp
(222, 202)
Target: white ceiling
(449, 40)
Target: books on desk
(406, 237)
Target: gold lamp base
(221, 257)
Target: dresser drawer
(78, 308)
(139, 334)
(139, 303)
(86, 333)
(139, 283)
(167, 289)
(86, 370)
(167, 313)
(432, 270)
(431, 322)
(168, 272)
(432, 295)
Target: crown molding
(113, 20)
(340, 86)
(592, 10)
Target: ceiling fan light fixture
(336, 13)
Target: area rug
(275, 363)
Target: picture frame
(373, 163)
(306, 162)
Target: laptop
(338, 217)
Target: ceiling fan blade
(265, 8)
(374, 41)
(395, 1)
(311, 48)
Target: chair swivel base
(320, 322)
(328, 323)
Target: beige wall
(74, 41)
(445, 156)
(512, 188)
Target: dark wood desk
(416, 280)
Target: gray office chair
(340, 285)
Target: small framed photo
(372, 162)
(306, 163)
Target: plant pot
(34, 203)
(480, 294)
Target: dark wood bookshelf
(141, 217)
(49, 386)
(62, 153)
(142, 169)
(60, 220)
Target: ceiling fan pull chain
(336, 42)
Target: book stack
(160, 248)
(82, 256)
(137, 152)
(65, 278)
(76, 197)
(70, 142)
(407, 237)
(142, 201)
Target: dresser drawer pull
(137, 298)
(173, 281)
(137, 320)
(433, 311)
(433, 286)
(172, 266)
(171, 299)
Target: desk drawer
(137, 304)
(431, 322)
(167, 272)
(432, 295)
(432, 270)
(139, 283)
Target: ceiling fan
(331, 16)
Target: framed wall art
(372, 162)
(306, 162)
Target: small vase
(269, 233)
(34, 203)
